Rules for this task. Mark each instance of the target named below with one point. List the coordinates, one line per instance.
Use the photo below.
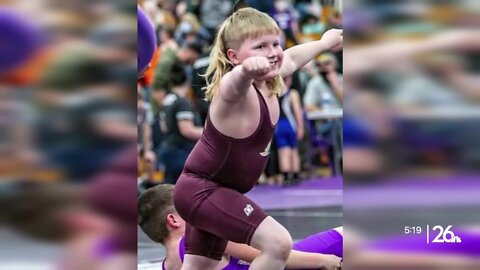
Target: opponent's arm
(296, 259)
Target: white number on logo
(444, 235)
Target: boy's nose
(271, 53)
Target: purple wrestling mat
(470, 245)
(453, 190)
(317, 192)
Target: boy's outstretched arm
(297, 56)
(296, 259)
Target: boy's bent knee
(280, 246)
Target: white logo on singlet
(248, 210)
(243, 262)
(266, 152)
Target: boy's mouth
(273, 63)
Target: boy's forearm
(299, 259)
(238, 80)
(300, 55)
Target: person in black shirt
(179, 126)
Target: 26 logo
(445, 235)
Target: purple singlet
(327, 242)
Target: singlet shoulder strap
(181, 248)
(260, 96)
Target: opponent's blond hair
(241, 25)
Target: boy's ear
(173, 221)
(233, 57)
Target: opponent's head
(157, 216)
(246, 33)
(147, 42)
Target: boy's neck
(172, 260)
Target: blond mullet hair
(241, 25)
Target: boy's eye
(260, 47)
(276, 44)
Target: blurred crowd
(68, 134)
(171, 103)
(76, 105)
(412, 84)
(410, 124)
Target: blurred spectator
(198, 84)
(335, 19)
(324, 93)
(189, 29)
(289, 131)
(167, 39)
(213, 13)
(183, 57)
(144, 123)
(180, 122)
(262, 5)
(286, 18)
(311, 26)
(91, 134)
(272, 170)
(366, 128)
(436, 83)
(158, 111)
(325, 90)
(84, 113)
(112, 39)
